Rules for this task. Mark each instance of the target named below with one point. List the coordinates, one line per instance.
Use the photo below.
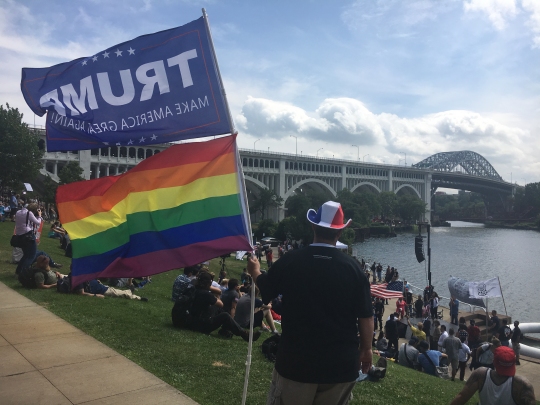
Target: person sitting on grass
(429, 364)
(231, 296)
(97, 288)
(408, 354)
(44, 277)
(243, 310)
(206, 314)
(57, 231)
(184, 280)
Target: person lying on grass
(44, 276)
(97, 288)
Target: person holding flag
(323, 368)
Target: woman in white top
(27, 220)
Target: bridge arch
(255, 181)
(471, 162)
(325, 187)
(408, 187)
(365, 183)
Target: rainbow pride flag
(177, 208)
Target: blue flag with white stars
(156, 88)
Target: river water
(474, 253)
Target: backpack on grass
(27, 277)
(181, 312)
(64, 285)
(270, 347)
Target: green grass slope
(209, 369)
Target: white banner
(485, 289)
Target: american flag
(395, 286)
(381, 291)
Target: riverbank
(523, 226)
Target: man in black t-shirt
(319, 343)
(379, 312)
(391, 332)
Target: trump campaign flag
(156, 88)
(175, 209)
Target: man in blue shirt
(454, 310)
(434, 355)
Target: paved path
(44, 360)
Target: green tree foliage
(49, 186)
(528, 198)
(266, 227)
(20, 157)
(70, 173)
(361, 207)
(388, 201)
(265, 199)
(462, 205)
(410, 207)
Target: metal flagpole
(214, 56)
(502, 295)
(233, 131)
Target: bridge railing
(303, 156)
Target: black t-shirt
(495, 321)
(391, 329)
(504, 333)
(379, 308)
(324, 293)
(202, 305)
(516, 336)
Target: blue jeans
(29, 253)
(42, 253)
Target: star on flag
(153, 137)
(95, 58)
(142, 139)
(105, 54)
(130, 142)
(131, 51)
(118, 52)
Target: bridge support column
(281, 189)
(343, 177)
(427, 198)
(390, 180)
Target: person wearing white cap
(319, 353)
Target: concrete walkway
(45, 360)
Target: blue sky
(394, 77)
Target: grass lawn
(209, 369)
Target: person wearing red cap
(319, 353)
(500, 386)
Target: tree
(267, 198)
(49, 187)
(70, 173)
(266, 227)
(388, 201)
(410, 207)
(20, 156)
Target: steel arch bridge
(465, 170)
(472, 163)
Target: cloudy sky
(396, 78)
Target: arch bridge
(289, 174)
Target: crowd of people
(205, 305)
(225, 306)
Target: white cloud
(533, 7)
(348, 121)
(498, 11)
